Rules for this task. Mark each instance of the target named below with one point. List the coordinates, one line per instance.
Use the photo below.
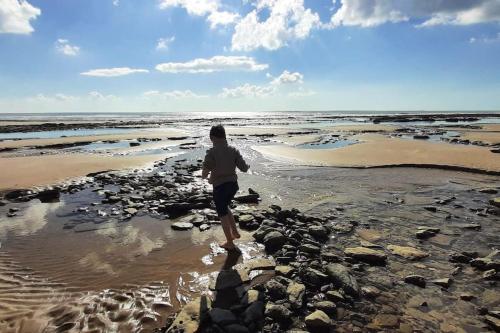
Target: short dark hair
(218, 131)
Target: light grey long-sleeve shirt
(222, 160)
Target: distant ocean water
(91, 116)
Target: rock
(204, 227)
(495, 202)
(367, 255)
(190, 316)
(278, 313)
(260, 233)
(426, 232)
(276, 290)
(284, 270)
(318, 321)
(2, 203)
(260, 263)
(309, 248)
(407, 252)
(50, 195)
(416, 280)
(250, 198)
(252, 296)
(369, 235)
(459, 258)
(493, 322)
(491, 275)
(445, 283)
(222, 317)
(421, 137)
(274, 241)
(313, 277)
(296, 292)
(318, 232)
(383, 320)
(327, 307)
(430, 208)
(370, 291)
(254, 314)
(340, 277)
(182, 226)
(467, 297)
(334, 296)
(131, 211)
(488, 190)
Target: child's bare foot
(228, 246)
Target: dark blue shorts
(223, 194)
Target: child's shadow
(229, 286)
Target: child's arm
(208, 165)
(240, 162)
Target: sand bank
(26, 172)
(486, 137)
(299, 139)
(165, 133)
(378, 151)
(362, 128)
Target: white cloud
(209, 8)
(302, 93)
(287, 78)
(487, 40)
(97, 96)
(112, 72)
(214, 64)
(15, 16)
(174, 94)
(247, 90)
(288, 20)
(164, 43)
(63, 46)
(369, 13)
(56, 98)
(116, 2)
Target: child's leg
(226, 227)
(232, 223)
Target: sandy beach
(136, 248)
(377, 151)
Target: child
(221, 162)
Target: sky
(249, 55)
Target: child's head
(217, 132)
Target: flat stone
(407, 252)
(445, 283)
(384, 321)
(493, 322)
(188, 319)
(339, 275)
(278, 312)
(182, 226)
(369, 235)
(334, 296)
(318, 321)
(327, 307)
(366, 254)
(416, 280)
(309, 248)
(284, 270)
(318, 232)
(260, 263)
(488, 190)
(276, 290)
(131, 211)
(296, 292)
(495, 202)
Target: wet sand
(27, 172)
(378, 151)
(166, 133)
